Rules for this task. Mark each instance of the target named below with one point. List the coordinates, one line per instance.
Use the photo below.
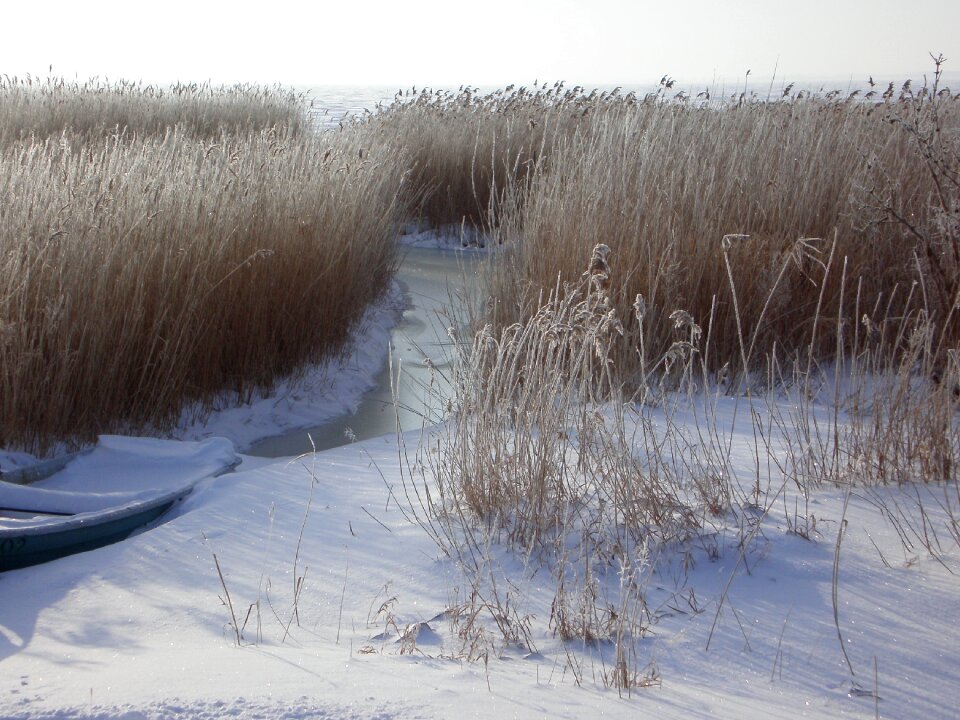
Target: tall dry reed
(139, 274)
(40, 108)
(696, 202)
(662, 179)
(470, 151)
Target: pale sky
(485, 42)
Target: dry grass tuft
(543, 453)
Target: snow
(119, 464)
(138, 629)
(464, 238)
(345, 601)
(118, 474)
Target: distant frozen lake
(331, 103)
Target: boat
(79, 506)
(37, 526)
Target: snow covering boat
(102, 496)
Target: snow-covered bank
(346, 609)
(140, 626)
(322, 392)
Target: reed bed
(769, 203)
(806, 246)
(663, 179)
(469, 151)
(40, 108)
(140, 275)
(780, 228)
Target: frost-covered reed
(691, 192)
(40, 108)
(152, 268)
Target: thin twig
(836, 578)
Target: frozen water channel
(436, 283)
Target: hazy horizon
(428, 42)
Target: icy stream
(434, 283)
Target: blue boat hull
(73, 510)
(20, 550)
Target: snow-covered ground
(140, 629)
(347, 608)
